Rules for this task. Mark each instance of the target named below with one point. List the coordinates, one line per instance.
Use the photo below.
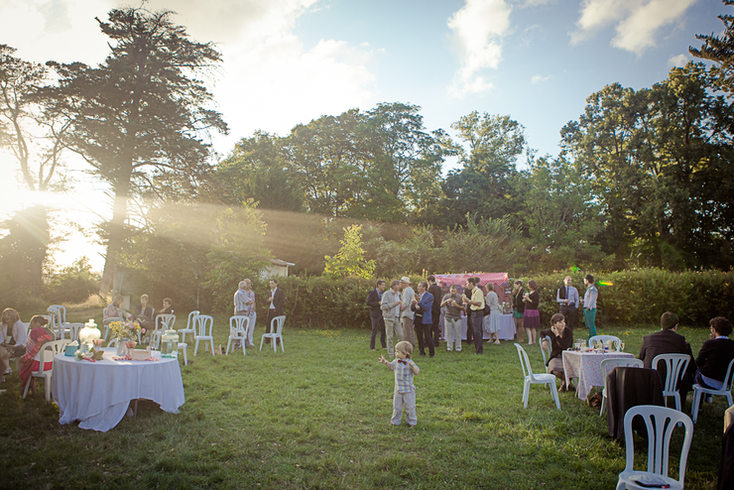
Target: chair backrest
(674, 365)
(542, 351)
(204, 323)
(608, 364)
(165, 321)
(190, 320)
(604, 339)
(660, 423)
(62, 312)
(276, 324)
(729, 378)
(49, 351)
(524, 362)
(238, 325)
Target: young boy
(404, 394)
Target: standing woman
(532, 315)
(493, 323)
(519, 309)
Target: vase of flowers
(124, 332)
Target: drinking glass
(621, 346)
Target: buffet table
(98, 393)
(507, 327)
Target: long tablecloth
(586, 367)
(507, 327)
(98, 393)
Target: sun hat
(405, 279)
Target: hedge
(636, 297)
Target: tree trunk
(116, 230)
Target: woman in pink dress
(32, 359)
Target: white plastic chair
(606, 366)
(58, 313)
(189, 325)
(276, 333)
(204, 325)
(530, 378)
(660, 423)
(604, 339)
(542, 351)
(238, 328)
(163, 322)
(725, 390)
(49, 351)
(675, 364)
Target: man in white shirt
(244, 305)
(407, 315)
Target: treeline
(644, 179)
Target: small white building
(278, 268)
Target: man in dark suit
(374, 299)
(423, 304)
(715, 355)
(667, 341)
(276, 300)
(437, 294)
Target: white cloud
(478, 26)
(636, 21)
(678, 60)
(539, 79)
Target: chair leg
(228, 343)
(676, 397)
(244, 342)
(603, 405)
(27, 385)
(212, 342)
(554, 394)
(196, 347)
(694, 407)
(106, 332)
(47, 383)
(262, 339)
(282, 345)
(525, 394)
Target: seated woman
(13, 339)
(113, 312)
(561, 339)
(144, 313)
(32, 359)
(715, 355)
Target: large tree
(485, 185)
(140, 118)
(33, 138)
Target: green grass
(317, 417)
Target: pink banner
(499, 279)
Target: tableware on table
(621, 346)
(139, 354)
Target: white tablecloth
(507, 327)
(98, 393)
(586, 367)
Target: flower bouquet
(125, 329)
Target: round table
(98, 393)
(586, 366)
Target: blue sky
(291, 61)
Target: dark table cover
(726, 470)
(628, 387)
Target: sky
(287, 62)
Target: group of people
(143, 314)
(406, 315)
(244, 305)
(400, 313)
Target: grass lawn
(317, 417)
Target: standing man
(374, 298)
(407, 315)
(390, 306)
(244, 305)
(476, 307)
(668, 341)
(437, 293)
(590, 304)
(423, 303)
(276, 298)
(568, 297)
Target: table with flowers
(586, 367)
(98, 393)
